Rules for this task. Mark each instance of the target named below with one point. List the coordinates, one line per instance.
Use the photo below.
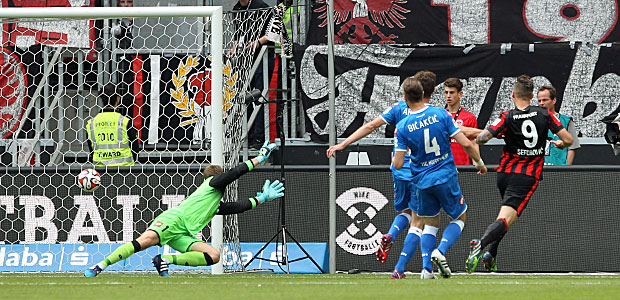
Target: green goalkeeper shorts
(172, 232)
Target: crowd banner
(460, 22)
(369, 78)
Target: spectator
(553, 155)
(111, 138)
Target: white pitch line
(279, 283)
(61, 283)
(340, 276)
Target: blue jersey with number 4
(427, 134)
(394, 114)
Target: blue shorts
(446, 195)
(404, 195)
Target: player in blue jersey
(426, 135)
(404, 190)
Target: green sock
(119, 254)
(192, 258)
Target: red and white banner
(466, 21)
(68, 33)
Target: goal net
(185, 111)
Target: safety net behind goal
(53, 73)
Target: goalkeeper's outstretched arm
(221, 181)
(231, 208)
(271, 190)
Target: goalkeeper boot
(489, 262)
(441, 262)
(92, 272)
(475, 252)
(427, 275)
(161, 265)
(398, 275)
(384, 247)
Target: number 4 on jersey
(430, 146)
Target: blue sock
(409, 248)
(450, 235)
(400, 223)
(427, 245)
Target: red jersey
(462, 118)
(525, 133)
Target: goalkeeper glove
(271, 190)
(265, 151)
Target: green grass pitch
(338, 286)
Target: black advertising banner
(369, 78)
(466, 21)
(549, 227)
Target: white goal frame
(216, 15)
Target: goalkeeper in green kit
(177, 227)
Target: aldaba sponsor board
(77, 257)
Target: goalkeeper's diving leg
(147, 239)
(199, 254)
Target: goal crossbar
(109, 12)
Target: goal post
(217, 138)
(60, 74)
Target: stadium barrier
(568, 226)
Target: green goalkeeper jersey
(200, 207)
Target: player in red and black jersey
(524, 130)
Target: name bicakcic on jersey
(422, 123)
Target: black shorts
(516, 189)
